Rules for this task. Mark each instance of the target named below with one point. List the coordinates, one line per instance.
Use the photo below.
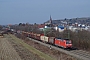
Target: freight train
(64, 43)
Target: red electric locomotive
(65, 43)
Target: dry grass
(30, 48)
(7, 52)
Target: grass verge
(30, 48)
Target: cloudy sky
(39, 11)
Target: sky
(39, 11)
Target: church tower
(50, 21)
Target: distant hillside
(84, 20)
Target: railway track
(80, 54)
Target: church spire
(50, 19)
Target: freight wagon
(38, 36)
(44, 39)
(24, 33)
(51, 40)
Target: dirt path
(7, 52)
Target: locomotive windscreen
(68, 42)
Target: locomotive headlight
(69, 45)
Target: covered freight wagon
(44, 38)
(51, 40)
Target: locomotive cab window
(68, 42)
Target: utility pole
(44, 31)
(68, 32)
